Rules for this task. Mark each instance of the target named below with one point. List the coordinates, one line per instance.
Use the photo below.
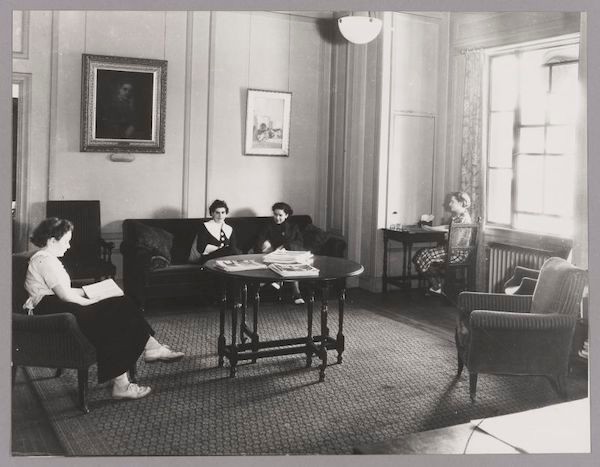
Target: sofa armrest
(335, 245)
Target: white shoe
(276, 285)
(132, 391)
(298, 300)
(163, 354)
(437, 291)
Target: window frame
(517, 50)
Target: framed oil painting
(123, 104)
(268, 123)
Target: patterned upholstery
(522, 334)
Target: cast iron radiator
(502, 259)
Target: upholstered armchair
(522, 334)
(48, 341)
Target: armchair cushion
(314, 238)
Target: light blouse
(44, 273)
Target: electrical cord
(471, 435)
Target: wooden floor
(32, 433)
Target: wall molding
(22, 51)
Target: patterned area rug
(395, 379)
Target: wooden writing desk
(408, 236)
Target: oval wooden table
(332, 272)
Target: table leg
(324, 332)
(255, 307)
(340, 334)
(233, 357)
(309, 337)
(409, 265)
(244, 309)
(222, 311)
(385, 263)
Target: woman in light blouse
(215, 238)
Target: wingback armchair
(522, 334)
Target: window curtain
(472, 168)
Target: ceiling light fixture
(359, 29)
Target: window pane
(534, 90)
(559, 140)
(530, 183)
(503, 85)
(564, 78)
(562, 109)
(532, 140)
(501, 139)
(559, 187)
(499, 196)
(545, 224)
(563, 97)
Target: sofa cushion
(314, 238)
(158, 241)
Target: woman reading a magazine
(114, 326)
(215, 238)
(281, 234)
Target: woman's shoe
(298, 300)
(163, 354)
(436, 291)
(131, 391)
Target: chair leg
(472, 385)
(82, 381)
(560, 382)
(58, 373)
(461, 364)
(14, 373)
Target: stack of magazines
(239, 264)
(291, 263)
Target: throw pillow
(158, 262)
(158, 241)
(314, 238)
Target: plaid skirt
(426, 257)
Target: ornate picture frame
(123, 104)
(268, 123)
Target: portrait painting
(123, 104)
(268, 123)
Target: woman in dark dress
(215, 238)
(114, 325)
(280, 233)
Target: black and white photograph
(414, 272)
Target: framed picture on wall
(123, 104)
(268, 123)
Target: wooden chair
(522, 334)
(89, 256)
(461, 258)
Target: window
(532, 109)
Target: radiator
(503, 259)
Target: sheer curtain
(472, 158)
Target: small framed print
(268, 123)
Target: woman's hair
(216, 204)
(284, 207)
(53, 227)
(462, 198)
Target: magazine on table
(104, 289)
(287, 256)
(239, 264)
(294, 270)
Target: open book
(239, 264)
(287, 256)
(103, 289)
(294, 270)
(436, 228)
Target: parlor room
(267, 233)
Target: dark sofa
(147, 275)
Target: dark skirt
(114, 326)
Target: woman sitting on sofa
(114, 325)
(215, 238)
(279, 233)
